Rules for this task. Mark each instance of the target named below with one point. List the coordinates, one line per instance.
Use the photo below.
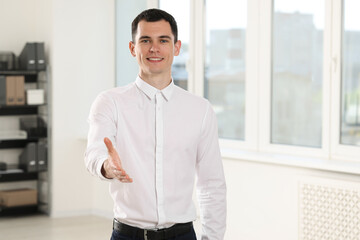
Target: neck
(158, 82)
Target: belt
(160, 234)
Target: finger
(126, 180)
(119, 170)
(119, 173)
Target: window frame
(266, 26)
(338, 150)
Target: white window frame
(339, 151)
(251, 84)
(265, 69)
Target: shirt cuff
(99, 164)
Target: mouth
(155, 59)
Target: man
(151, 139)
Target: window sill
(341, 166)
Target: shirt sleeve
(102, 123)
(211, 186)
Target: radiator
(329, 210)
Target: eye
(164, 41)
(145, 41)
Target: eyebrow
(144, 37)
(165, 36)
(162, 36)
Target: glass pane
(127, 68)
(181, 13)
(350, 121)
(297, 60)
(225, 64)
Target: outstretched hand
(112, 167)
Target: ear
(177, 47)
(132, 48)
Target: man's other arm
(211, 186)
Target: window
(297, 65)
(350, 94)
(225, 64)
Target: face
(154, 48)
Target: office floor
(42, 227)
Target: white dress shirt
(165, 138)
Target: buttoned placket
(159, 157)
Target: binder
(7, 60)
(41, 156)
(20, 90)
(27, 158)
(32, 57)
(27, 57)
(40, 56)
(34, 126)
(2, 90)
(10, 90)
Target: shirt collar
(151, 91)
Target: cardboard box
(10, 90)
(20, 90)
(19, 197)
(35, 96)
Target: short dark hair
(154, 15)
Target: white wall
(83, 65)
(24, 21)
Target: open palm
(112, 166)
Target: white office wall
(24, 21)
(83, 65)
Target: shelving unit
(19, 110)
(31, 76)
(18, 178)
(16, 143)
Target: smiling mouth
(155, 59)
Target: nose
(154, 47)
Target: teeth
(155, 59)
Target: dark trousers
(188, 236)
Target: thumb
(114, 156)
(109, 145)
